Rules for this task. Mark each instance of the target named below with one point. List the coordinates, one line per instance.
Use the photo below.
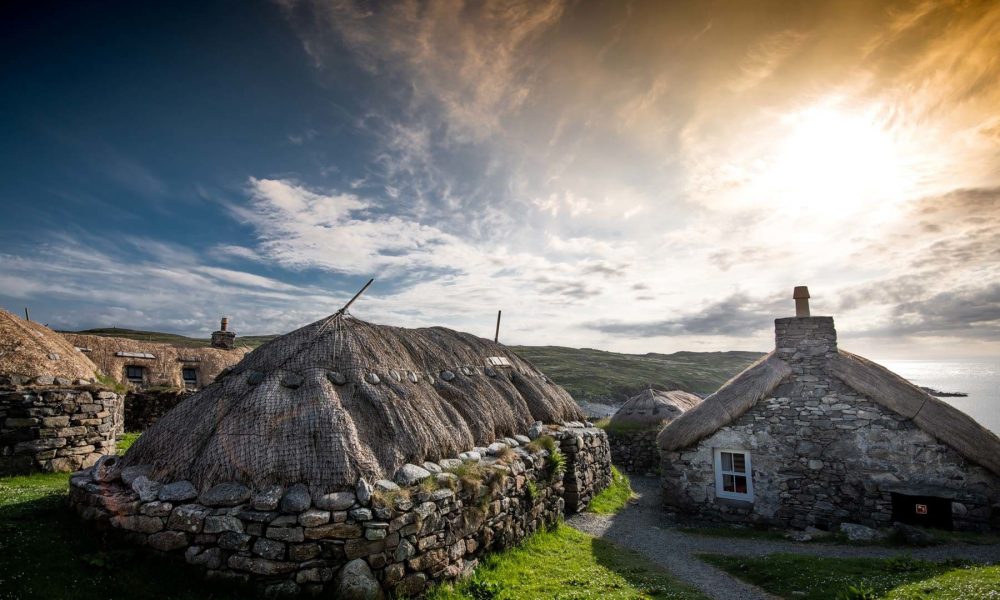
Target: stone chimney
(223, 338)
(804, 338)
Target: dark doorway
(927, 511)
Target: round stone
(255, 377)
(447, 375)
(413, 377)
(291, 380)
(490, 372)
(395, 375)
(373, 379)
(336, 377)
(467, 371)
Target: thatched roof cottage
(812, 435)
(30, 352)
(332, 447)
(632, 430)
(52, 416)
(142, 364)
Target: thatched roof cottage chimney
(223, 338)
(804, 339)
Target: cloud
(737, 315)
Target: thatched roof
(164, 369)
(652, 408)
(32, 350)
(733, 399)
(941, 420)
(342, 398)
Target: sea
(979, 378)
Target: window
(733, 475)
(190, 376)
(134, 374)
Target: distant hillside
(610, 377)
(589, 375)
(249, 341)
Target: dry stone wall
(822, 454)
(433, 522)
(57, 428)
(635, 451)
(145, 407)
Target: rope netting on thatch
(33, 350)
(342, 398)
(653, 408)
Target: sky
(630, 176)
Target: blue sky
(630, 176)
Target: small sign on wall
(921, 509)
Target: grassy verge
(614, 497)
(46, 552)
(126, 440)
(893, 540)
(564, 563)
(900, 578)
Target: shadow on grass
(47, 552)
(646, 577)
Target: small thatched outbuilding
(811, 435)
(632, 430)
(348, 454)
(30, 352)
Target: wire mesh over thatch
(652, 408)
(30, 350)
(733, 399)
(342, 398)
(162, 364)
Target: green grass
(126, 440)
(47, 552)
(600, 376)
(900, 578)
(614, 497)
(892, 540)
(565, 564)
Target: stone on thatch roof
(652, 408)
(341, 399)
(941, 420)
(35, 352)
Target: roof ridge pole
(356, 296)
(496, 336)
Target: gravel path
(643, 527)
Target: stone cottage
(632, 430)
(142, 365)
(352, 455)
(52, 415)
(812, 435)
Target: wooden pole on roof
(496, 336)
(356, 296)
(26, 317)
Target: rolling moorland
(588, 375)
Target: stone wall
(588, 464)
(432, 523)
(635, 451)
(57, 428)
(145, 407)
(823, 454)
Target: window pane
(728, 485)
(741, 484)
(739, 463)
(727, 461)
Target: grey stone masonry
(823, 454)
(374, 535)
(635, 451)
(57, 429)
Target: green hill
(587, 374)
(610, 377)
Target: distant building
(633, 429)
(143, 365)
(811, 435)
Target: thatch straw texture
(32, 350)
(941, 420)
(733, 399)
(652, 408)
(307, 407)
(165, 369)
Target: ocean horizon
(977, 377)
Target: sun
(834, 162)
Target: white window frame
(722, 493)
